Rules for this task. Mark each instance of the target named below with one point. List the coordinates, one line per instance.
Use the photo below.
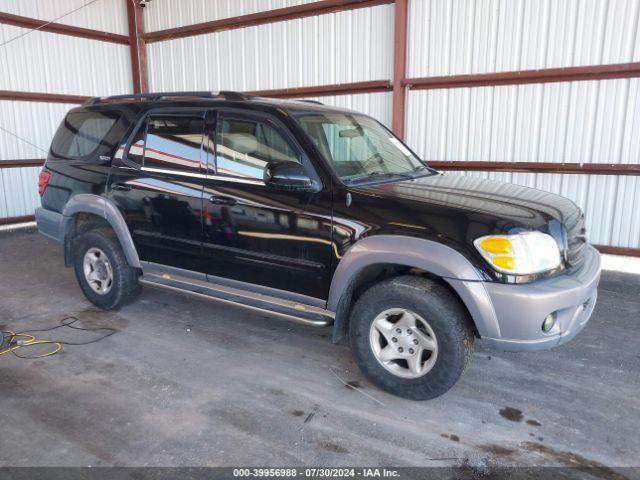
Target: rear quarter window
(81, 133)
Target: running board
(276, 307)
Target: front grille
(576, 241)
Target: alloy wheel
(403, 343)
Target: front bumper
(521, 309)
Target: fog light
(548, 323)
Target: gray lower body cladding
(50, 224)
(58, 225)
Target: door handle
(216, 200)
(120, 187)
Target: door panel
(252, 233)
(162, 200)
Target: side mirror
(287, 176)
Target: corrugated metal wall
(163, 14)
(583, 122)
(52, 63)
(588, 122)
(105, 15)
(449, 37)
(342, 47)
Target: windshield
(359, 148)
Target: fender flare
(102, 207)
(427, 255)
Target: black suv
(318, 215)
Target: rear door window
(81, 133)
(169, 142)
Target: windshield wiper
(380, 174)
(424, 168)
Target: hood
(455, 210)
(504, 207)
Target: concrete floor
(190, 383)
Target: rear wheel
(102, 271)
(411, 337)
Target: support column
(399, 66)
(137, 46)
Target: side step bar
(277, 307)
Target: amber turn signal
(507, 263)
(496, 245)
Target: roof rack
(226, 95)
(312, 101)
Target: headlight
(521, 254)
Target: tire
(436, 313)
(119, 283)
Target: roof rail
(224, 94)
(312, 101)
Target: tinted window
(81, 133)
(244, 147)
(169, 142)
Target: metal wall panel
(52, 63)
(448, 37)
(609, 202)
(19, 191)
(35, 123)
(163, 14)
(105, 15)
(342, 47)
(583, 122)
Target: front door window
(245, 147)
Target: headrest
(240, 142)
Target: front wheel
(102, 271)
(411, 337)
